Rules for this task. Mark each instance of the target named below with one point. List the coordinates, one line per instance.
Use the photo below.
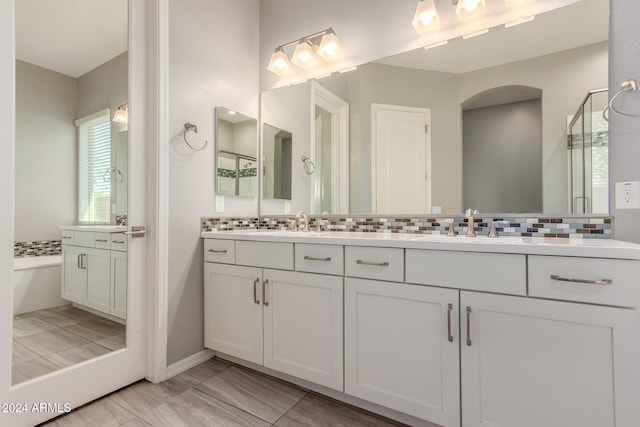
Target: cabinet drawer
(223, 251)
(83, 238)
(102, 240)
(502, 273)
(265, 254)
(66, 236)
(324, 259)
(593, 280)
(118, 242)
(374, 263)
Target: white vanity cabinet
(402, 348)
(94, 270)
(285, 320)
(529, 362)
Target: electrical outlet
(628, 195)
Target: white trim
(338, 107)
(189, 362)
(158, 202)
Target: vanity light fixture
(426, 16)
(279, 63)
(468, 8)
(324, 44)
(122, 114)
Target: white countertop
(596, 248)
(99, 228)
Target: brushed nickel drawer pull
(218, 251)
(309, 258)
(604, 282)
(264, 293)
(255, 292)
(79, 262)
(66, 237)
(102, 240)
(378, 264)
(468, 326)
(121, 242)
(449, 310)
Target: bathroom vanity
(94, 268)
(455, 331)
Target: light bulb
(303, 55)
(279, 63)
(470, 5)
(426, 16)
(329, 46)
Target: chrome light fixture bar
(324, 44)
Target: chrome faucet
(471, 226)
(303, 214)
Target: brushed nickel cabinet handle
(264, 292)
(603, 282)
(468, 326)
(449, 310)
(255, 292)
(66, 237)
(218, 251)
(309, 258)
(102, 240)
(378, 264)
(79, 262)
(118, 241)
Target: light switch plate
(219, 203)
(628, 195)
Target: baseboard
(189, 362)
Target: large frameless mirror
(70, 265)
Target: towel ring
(191, 127)
(627, 86)
(309, 166)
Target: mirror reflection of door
(276, 163)
(70, 280)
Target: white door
(402, 348)
(400, 159)
(532, 363)
(233, 310)
(303, 326)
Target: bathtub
(37, 283)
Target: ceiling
(580, 24)
(71, 37)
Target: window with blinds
(94, 161)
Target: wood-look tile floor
(47, 340)
(218, 393)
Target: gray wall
(45, 163)
(502, 158)
(624, 133)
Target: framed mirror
(71, 168)
(433, 100)
(236, 154)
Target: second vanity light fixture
(122, 114)
(324, 44)
(426, 15)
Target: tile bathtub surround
(576, 227)
(37, 248)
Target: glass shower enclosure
(588, 155)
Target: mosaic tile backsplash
(524, 226)
(37, 248)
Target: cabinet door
(98, 268)
(233, 310)
(531, 363)
(73, 275)
(119, 284)
(402, 348)
(303, 326)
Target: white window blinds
(94, 161)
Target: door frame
(374, 180)
(100, 376)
